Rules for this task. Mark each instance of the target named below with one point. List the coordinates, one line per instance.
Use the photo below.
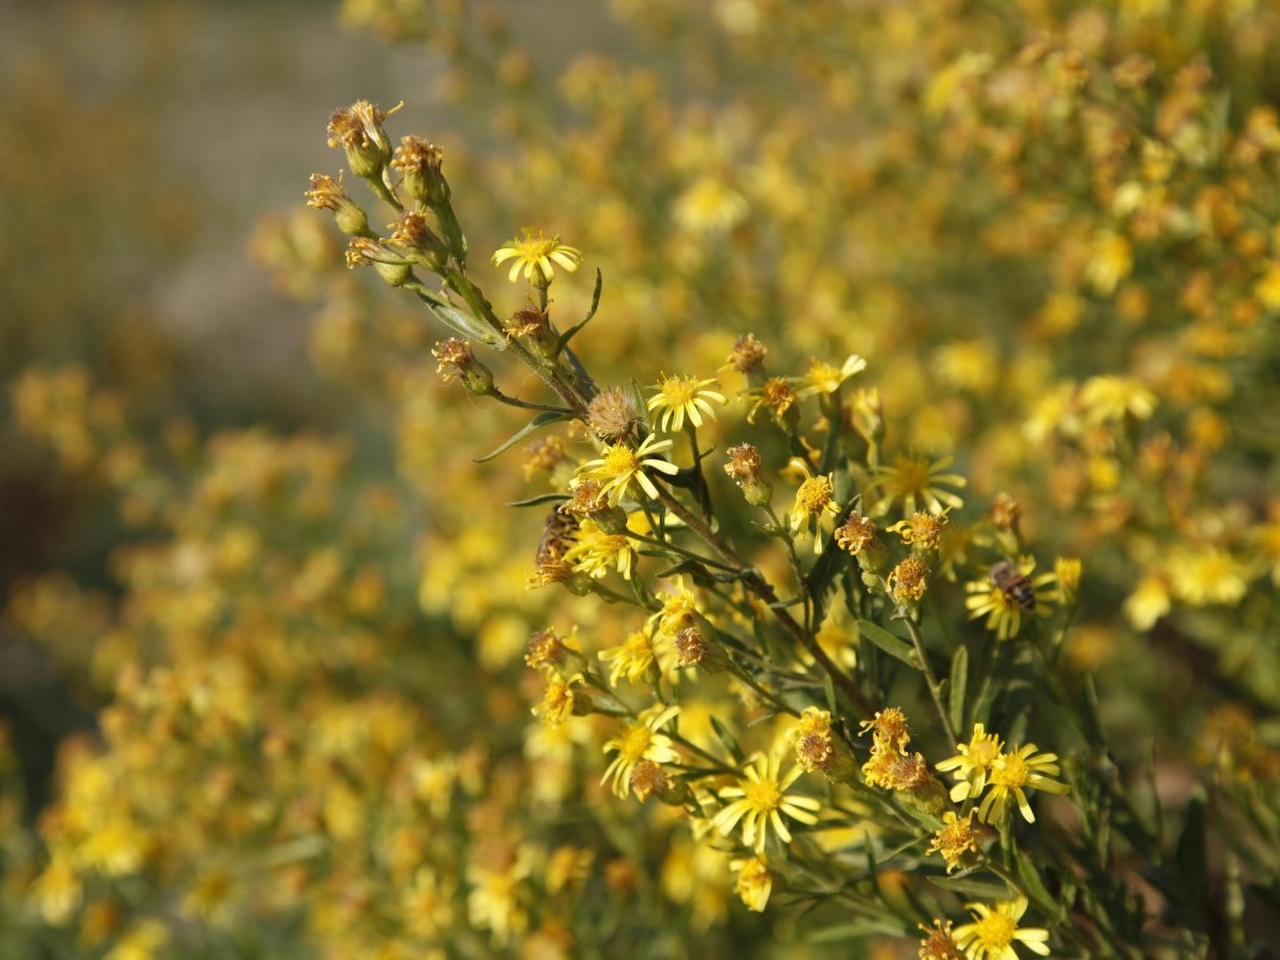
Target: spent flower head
(955, 839)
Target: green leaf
(539, 500)
(1035, 889)
(959, 680)
(461, 321)
(978, 889)
(893, 645)
(729, 741)
(1190, 855)
(595, 305)
(537, 423)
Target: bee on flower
(1008, 593)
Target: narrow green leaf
(728, 739)
(959, 680)
(1190, 855)
(978, 889)
(890, 644)
(1036, 890)
(537, 423)
(539, 500)
(595, 305)
(461, 322)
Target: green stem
(917, 639)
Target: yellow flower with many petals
(536, 256)
(680, 397)
(992, 935)
(760, 801)
(620, 465)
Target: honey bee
(1014, 584)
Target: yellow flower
(1207, 576)
(754, 883)
(594, 552)
(974, 763)
(631, 659)
(916, 483)
(640, 741)
(760, 801)
(923, 530)
(1110, 399)
(142, 942)
(558, 701)
(1005, 603)
(535, 256)
(1111, 262)
(992, 935)
(1148, 602)
(823, 378)
(678, 397)
(620, 465)
(814, 503)
(1011, 774)
(710, 206)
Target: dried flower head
(748, 355)
(612, 414)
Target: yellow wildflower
(814, 503)
(992, 935)
(620, 465)
(1011, 774)
(536, 256)
(974, 763)
(916, 483)
(632, 659)
(760, 801)
(754, 883)
(640, 741)
(680, 397)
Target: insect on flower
(1014, 584)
